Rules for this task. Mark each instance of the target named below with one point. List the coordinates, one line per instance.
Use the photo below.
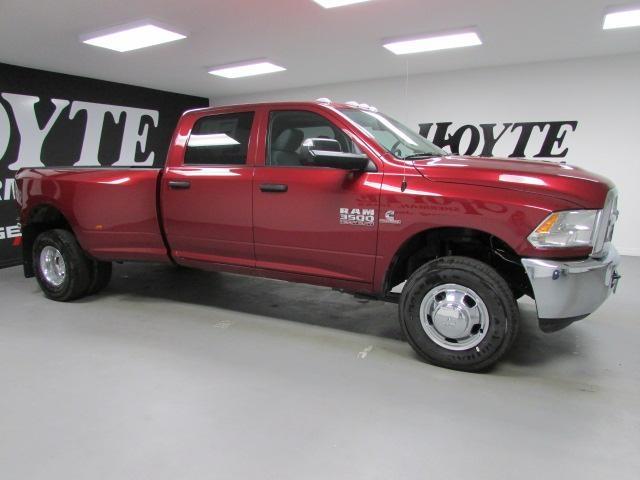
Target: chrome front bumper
(566, 291)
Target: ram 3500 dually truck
(342, 196)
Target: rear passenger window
(220, 140)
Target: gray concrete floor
(179, 374)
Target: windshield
(396, 138)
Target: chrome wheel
(454, 317)
(52, 266)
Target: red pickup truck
(343, 196)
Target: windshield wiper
(421, 155)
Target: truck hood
(567, 182)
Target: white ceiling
(317, 46)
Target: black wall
(51, 119)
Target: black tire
(100, 276)
(77, 275)
(488, 285)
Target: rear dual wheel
(62, 269)
(100, 276)
(459, 313)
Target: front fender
(425, 205)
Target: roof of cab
(292, 104)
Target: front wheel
(459, 313)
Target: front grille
(606, 224)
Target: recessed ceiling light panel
(434, 42)
(131, 36)
(622, 19)
(246, 69)
(337, 3)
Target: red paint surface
(225, 222)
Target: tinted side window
(220, 140)
(288, 130)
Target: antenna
(403, 185)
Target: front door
(206, 201)
(312, 220)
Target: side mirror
(326, 152)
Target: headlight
(566, 229)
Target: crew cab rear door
(312, 220)
(206, 189)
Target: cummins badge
(390, 217)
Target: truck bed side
(112, 211)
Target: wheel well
(440, 242)
(41, 219)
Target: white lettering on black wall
(133, 136)
(31, 135)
